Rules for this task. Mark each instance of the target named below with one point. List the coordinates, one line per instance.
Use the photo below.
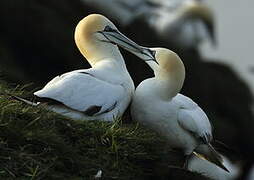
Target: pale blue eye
(152, 52)
(109, 29)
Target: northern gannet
(102, 92)
(185, 25)
(158, 104)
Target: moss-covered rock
(39, 144)
(36, 44)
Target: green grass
(38, 144)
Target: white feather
(158, 104)
(79, 91)
(192, 118)
(102, 92)
(210, 170)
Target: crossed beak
(116, 37)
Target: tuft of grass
(38, 144)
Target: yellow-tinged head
(87, 38)
(96, 38)
(198, 10)
(168, 60)
(90, 25)
(168, 69)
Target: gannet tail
(206, 151)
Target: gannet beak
(116, 37)
(147, 54)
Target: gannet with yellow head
(186, 25)
(158, 104)
(101, 92)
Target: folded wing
(193, 119)
(82, 91)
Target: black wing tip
(92, 110)
(218, 158)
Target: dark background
(36, 44)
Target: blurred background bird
(36, 44)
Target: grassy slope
(38, 144)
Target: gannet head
(198, 11)
(187, 25)
(97, 37)
(161, 59)
(169, 65)
(168, 69)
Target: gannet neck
(88, 40)
(170, 74)
(111, 66)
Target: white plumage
(214, 172)
(192, 118)
(82, 90)
(180, 119)
(102, 92)
(158, 104)
(185, 25)
(79, 91)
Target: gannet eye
(109, 29)
(152, 52)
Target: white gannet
(102, 92)
(158, 104)
(186, 25)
